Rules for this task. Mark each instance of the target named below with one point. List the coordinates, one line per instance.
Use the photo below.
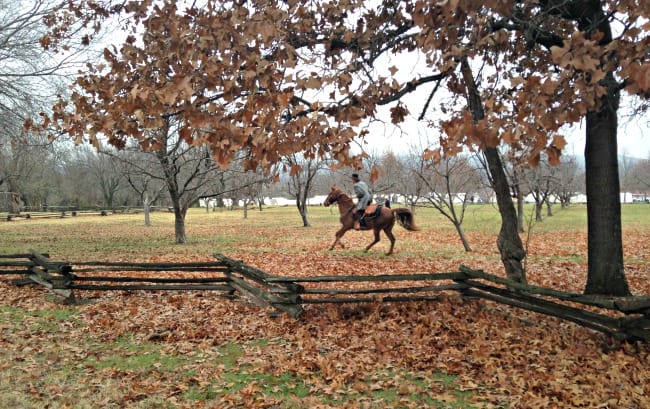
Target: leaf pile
(198, 349)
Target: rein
(348, 202)
(335, 198)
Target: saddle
(371, 211)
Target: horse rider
(364, 196)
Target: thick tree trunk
(15, 203)
(15, 195)
(509, 243)
(179, 227)
(606, 273)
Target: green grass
(138, 361)
(40, 320)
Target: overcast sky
(633, 136)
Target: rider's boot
(357, 220)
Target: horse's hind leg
(389, 234)
(376, 231)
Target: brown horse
(384, 220)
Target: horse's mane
(341, 194)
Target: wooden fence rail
(60, 212)
(626, 318)
(63, 278)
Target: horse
(382, 219)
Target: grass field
(195, 349)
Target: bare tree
(141, 170)
(106, 170)
(569, 181)
(640, 176)
(30, 80)
(540, 181)
(23, 164)
(247, 186)
(407, 182)
(27, 74)
(626, 164)
(393, 173)
(75, 188)
(452, 184)
(30, 77)
(183, 168)
(303, 173)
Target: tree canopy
(278, 77)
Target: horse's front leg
(339, 234)
(376, 231)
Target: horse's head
(334, 195)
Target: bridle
(331, 200)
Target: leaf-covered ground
(199, 349)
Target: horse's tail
(405, 219)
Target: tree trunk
(520, 211)
(509, 243)
(549, 208)
(606, 273)
(301, 203)
(147, 208)
(305, 219)
(565, 201)
(463, 238)
(179, 227)
(538, 210)
(15, 196)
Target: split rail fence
(626, 318)
(61, 212)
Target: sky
(633, 136)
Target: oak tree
(274, 78)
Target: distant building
(629, 197)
